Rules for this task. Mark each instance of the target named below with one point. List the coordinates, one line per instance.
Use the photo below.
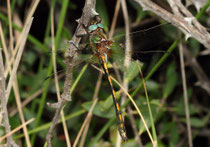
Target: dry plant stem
(98, 84)
(26, 101)
(19, 107)
(184, 84)
(56, 117)
(31, 12)
(187, 23)
(17, 60)
(71, 52)
(10, 141)
(10, 25)
(111, 32)
(48, 138)
(203, 79)
(13, 75)
(29, 99)
(85, 131)
(85, 122)
(133, 125)
(15, 88)
(149, 108)
(59, 97)
(16, 129)
(114, 20)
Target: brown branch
(5, 94)
(95, 95)
(3, 106)
(57, 90)
(184, 84)
(181, 18)
(70, 55)
(134, 127)
(88, 13)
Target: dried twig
(10, 25)
(70, 54)
(3, 106)
(98, 84)
(181, 18)
(134, 127)
(49, 135)
(33, 7)
(184, 84)
(26, 101)
(16, 129)
(85, 122)
(20, 51)
(19, 54)
(10, 141)
(15, 84)
(114, 20)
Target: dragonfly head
(95, 24)
(94, 27)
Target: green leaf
(197, 122)
(130, 143)
(99, 110)
(152, 85)
(58, 142)
(30, 58)
(180, 107)
(14, 122)
(144, 110)
(194, 46)
(132, 71)
(108, 102)
(171, 81)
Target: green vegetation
(157, 49)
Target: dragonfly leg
(71, 42)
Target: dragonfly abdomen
(121, 125)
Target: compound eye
(92, 28)
(100, 25)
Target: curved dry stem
(181, 18)
(85, 122)
(184, 84)
(54, 122)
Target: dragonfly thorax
(103, 48)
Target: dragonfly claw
(71, 42)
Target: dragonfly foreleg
(78, 47)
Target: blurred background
(152, 38)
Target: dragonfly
(102, 46)
(102, 49)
